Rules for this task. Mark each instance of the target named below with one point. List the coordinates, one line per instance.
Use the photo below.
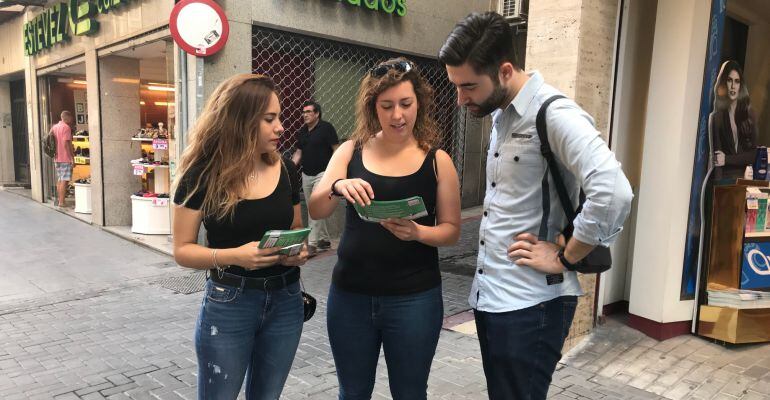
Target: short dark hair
(316, 107)
(484, 41)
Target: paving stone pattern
(132, 338)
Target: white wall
(669, 144)
(12, 49)
(633, 80)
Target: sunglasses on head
(382, 69)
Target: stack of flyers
(410, 208)
(290, 242)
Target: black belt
(266, 283)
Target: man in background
(64, 159)
(317, 141)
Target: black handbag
(599, 259)
(308, 304)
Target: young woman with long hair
(386, 285)
(232, 179)
(733, 123)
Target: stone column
(7, 173)
(676, 80)
(235, 57)
(95, 135)
(119, 100)
(571, 42)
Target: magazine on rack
(290, 241)
(410, 208)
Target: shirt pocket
(520, 173)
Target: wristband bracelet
(334, 191)
(568, 265)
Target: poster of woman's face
(732, 125)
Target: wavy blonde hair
(223, 143)
(367, 123)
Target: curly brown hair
(367, 124)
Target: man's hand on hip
(528, 251)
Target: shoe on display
(86, 152)
(323, 245)
(78, 151)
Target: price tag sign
(80, 160)
(159, 202)
(160, 144)
(138, 170)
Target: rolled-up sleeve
(579, 147)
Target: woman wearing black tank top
(232, 180)
(386, 286)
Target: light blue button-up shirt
(513, 200)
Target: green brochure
(290, 242)
(410, 208)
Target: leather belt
(264, 283)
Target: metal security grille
(330, 72)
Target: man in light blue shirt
(525, 290)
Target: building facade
(134, 94)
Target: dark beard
(493, 102)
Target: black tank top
(371, 260)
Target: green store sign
(59, 22)
(397, 7)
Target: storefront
(113, 68)
(668, 128)
(133, 92)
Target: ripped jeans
(246, 333)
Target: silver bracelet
(220, 269)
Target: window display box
(730, 248)
(150, 215)
(82, 198)
(733, 325)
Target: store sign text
(389, 6)
(61, 21)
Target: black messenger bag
(599, 259)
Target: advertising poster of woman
(732, 125)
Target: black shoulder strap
(288, 175)
(432, 153)
(545, 149)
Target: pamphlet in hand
(378, 211)
(290, 242)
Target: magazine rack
(726, 257)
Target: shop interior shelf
(757, 234)
(150, 165)
(139, 139)
(80, 137)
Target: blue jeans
(520, 349)
(247, 333)
(407, 327)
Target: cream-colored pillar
(676, 77)
(571, 42)
(33, 125)
(7, 174)
(95, 135)
(119, 95)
